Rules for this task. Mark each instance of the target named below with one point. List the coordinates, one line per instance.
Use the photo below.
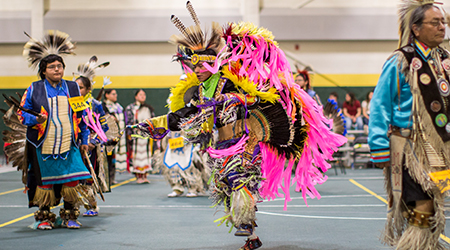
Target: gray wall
(155, 26)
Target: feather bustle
(17, 139)
(13, 134)
(332, 111)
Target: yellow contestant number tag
(176, 143)
(77, 103)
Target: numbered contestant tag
(77, 103)
(175, 143)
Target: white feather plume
(53, 42)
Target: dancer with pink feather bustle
(240, 82)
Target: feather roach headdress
(194, 43)
(406, 8)
(88, 69)
(53, 42)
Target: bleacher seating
(361, 151)
(355, 153)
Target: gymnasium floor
(350, 215)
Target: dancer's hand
(142, 126)
(221, 98)
(84, 150)
(42, 118)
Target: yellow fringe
(250, 87)
(250, 29)
(44, 197)
(160, 122)
(177, 98)
(69, 194)
(208, 125)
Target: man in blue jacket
(409, 131)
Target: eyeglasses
(52, 67)
(436, 23)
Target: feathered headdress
(193, 40)
(53, 42)
(406, 8)
(88, 69)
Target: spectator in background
(117, 161)
(334, 96)
(140, 148)
(303, 80)
(352, 112)
(366, 107)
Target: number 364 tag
(77, 103)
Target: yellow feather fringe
(250, 87)
(250, 29)
(177, 98)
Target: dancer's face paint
(202, 73)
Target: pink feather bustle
(238, 148)
(275, 70)
(265, 65)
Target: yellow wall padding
(168, 81)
